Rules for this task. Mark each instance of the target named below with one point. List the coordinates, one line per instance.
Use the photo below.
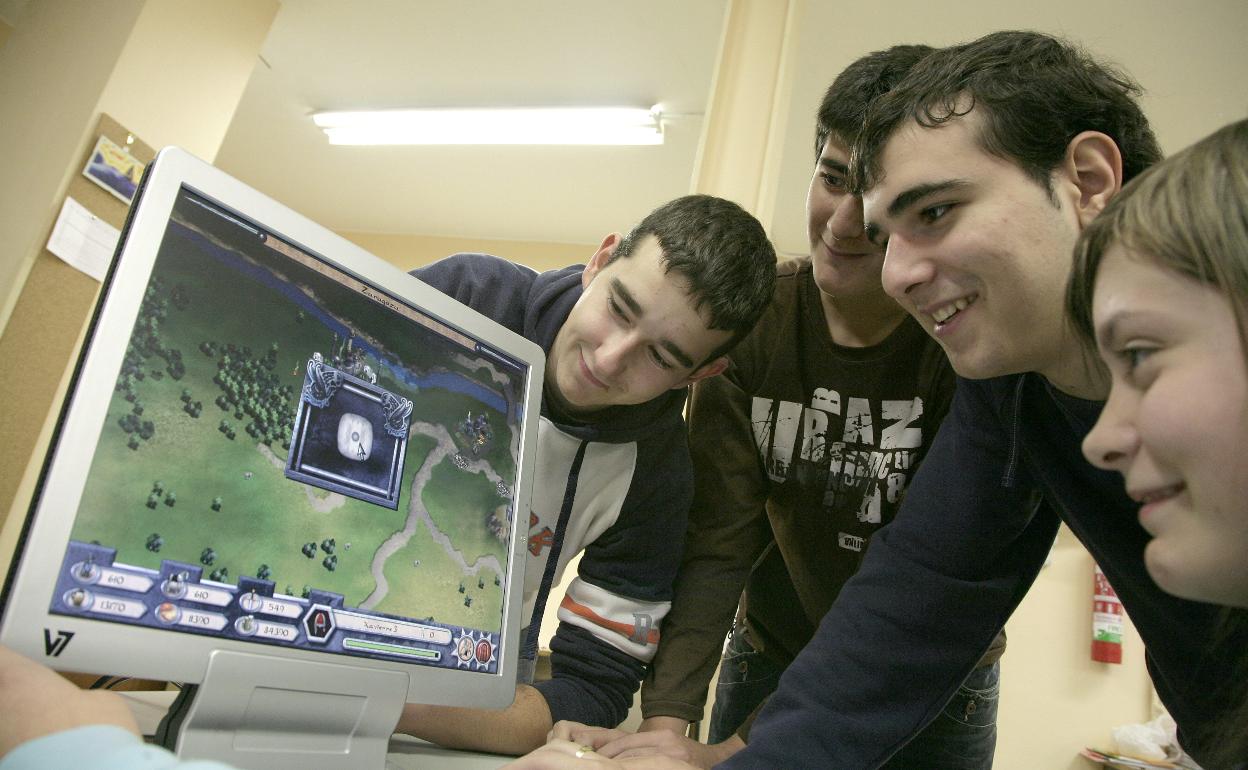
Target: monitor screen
(277, 443)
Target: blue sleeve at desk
(97, 748)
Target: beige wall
(180, 77)
(1189, 57)
(171, 71)
(1055, 699)
(53, 68)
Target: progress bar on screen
(391, 649)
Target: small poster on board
(113, 168)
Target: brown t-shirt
(801, 450)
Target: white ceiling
(329, 54)
(338, 54)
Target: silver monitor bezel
(107, 647)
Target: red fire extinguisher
(1106, 620)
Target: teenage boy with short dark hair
(624, 335)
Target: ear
(601, 257)
(1093, 164)
(706, 370)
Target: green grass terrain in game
(459, 503)
(265, 518)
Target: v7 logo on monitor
(54, 647)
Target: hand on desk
(566, 755)
(49, 704)
(668, 742)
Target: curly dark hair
(721, 250)
(845, 103)
(1035, 94)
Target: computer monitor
(286, 471)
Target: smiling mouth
(1152, 506)
(943, 314)
(588, 375)
(1158, 495)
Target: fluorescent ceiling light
(546, 125)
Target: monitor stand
(257, 711)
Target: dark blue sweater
(620, 481)
(938, 583)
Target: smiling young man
(624, 336)
(979, 171)
(801, 451)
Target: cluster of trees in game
(191, 407)
(170, 498)
(251, 390)
(158, 495)
(145, 344)
(480, 585)
(208, 556)
(330, 546)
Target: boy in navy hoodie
(651, 312)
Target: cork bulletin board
(47, 319)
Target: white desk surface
(406, 753)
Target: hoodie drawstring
(528, 650)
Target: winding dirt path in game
(417, 514)
(319, 504)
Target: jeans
(963, 737)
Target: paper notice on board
(83, 240)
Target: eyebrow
(917, 193)
(626, 296)
(834, 165)
(1105, 333)
(1108, 332)
(636, 309)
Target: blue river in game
(444, 380)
